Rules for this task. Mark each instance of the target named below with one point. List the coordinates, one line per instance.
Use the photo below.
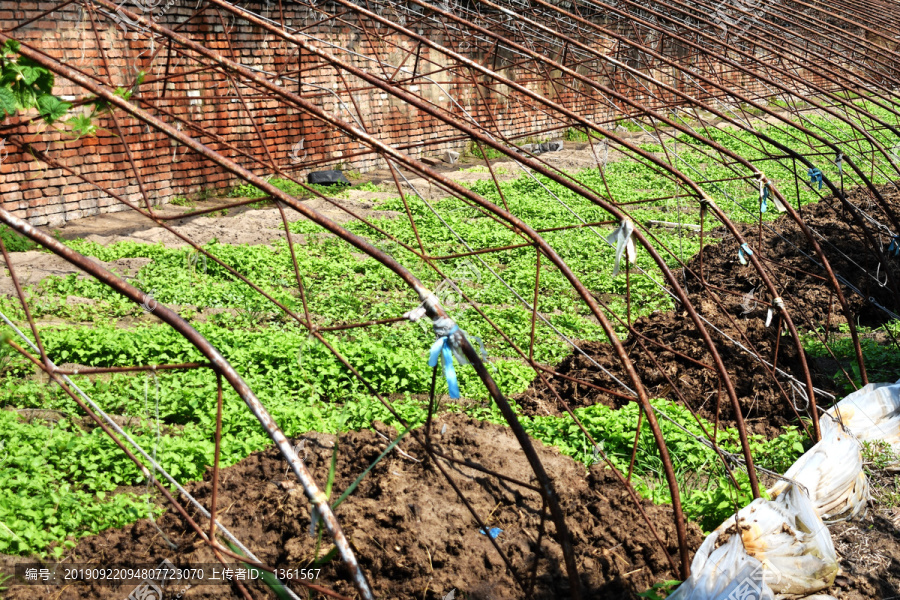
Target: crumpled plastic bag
(832, 473)
(724, 573)
(872, 413)
(784, 537)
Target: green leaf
(52, 108)
(82, 125)
(7, 101)
(123, 93)
(11, 47)
(30, 74)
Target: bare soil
(239, 225)
(869, 547)
(33, 266)
(413, 536)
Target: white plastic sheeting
(725, 572)
(872, 413)
(832, 472)
(780, 546)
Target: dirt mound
(413, 536)
(800, 283)
(764, 409)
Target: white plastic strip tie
(621, 237)
(430, 301)
(415, 314)
(764, 188)
(763, 193)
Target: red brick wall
(36, 190)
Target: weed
(577, 135)
(488, 153)
(182, 201)
(206, 193)
(881, 358)
(15, 241)
(316, 524)
(484, 169)
(879, 455)
(660, 591)
(631, 125)
(368, 187)
(245, 190)
(878, 458)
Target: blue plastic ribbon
(744, 249)
(492, 532)
(894, 248)
(763, 207)
(443, 348)
(815, 176)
